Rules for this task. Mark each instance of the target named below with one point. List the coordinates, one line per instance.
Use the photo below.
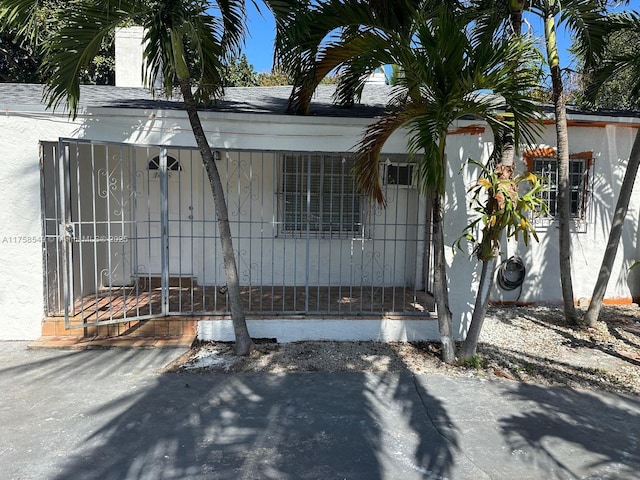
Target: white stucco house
(109, 218)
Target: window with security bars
(547, 168)
(318, 192)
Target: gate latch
(69, 231)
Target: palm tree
(304, 54)
(586, 20)
(606, 69)
(446, 74)
(503, 176)
(184, 42)
(548, 11)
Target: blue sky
(259, 45)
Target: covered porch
(130, 235)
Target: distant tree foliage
(615, 94)
(278, 78)
(18, 64)
(102, 70)
(274, 79)
(19, 61)
(239, 73)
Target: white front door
(181, 224)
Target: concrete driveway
(113, 414)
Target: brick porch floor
(186, 296)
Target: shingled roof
(261, 100)
(271, 100)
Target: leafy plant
(476, 362)
(500, 206)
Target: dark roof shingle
(271, 100)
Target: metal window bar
(578, 181)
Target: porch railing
(130, 232)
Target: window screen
(318, 193)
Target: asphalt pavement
(114, 414)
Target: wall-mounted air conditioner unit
(400, 174)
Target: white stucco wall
(463, 271)
(21, 276)
(21, 273)
(611, 146)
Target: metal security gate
(130, 233)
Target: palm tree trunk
(440, 283)
(507, 159)
(470, 345)
(244, 344)
(564, 197)
(516, 7)
(622, 206)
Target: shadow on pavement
(262, 426)
(606, 430)
(112, 415)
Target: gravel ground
(529, 344)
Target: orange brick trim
(589, 124)
(618, 301)
(470, 130)
(529, 155)
(612, 301)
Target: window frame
(585, 159)
(173, 164)
(292, 224)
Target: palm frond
(314, 31)
(22, 17)
(602, 69)
(366, 168)
(233, 16)
(207, 38)
(448, 73)
(355, 59)
(491, 19)
(589, 25)
(74, 46)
